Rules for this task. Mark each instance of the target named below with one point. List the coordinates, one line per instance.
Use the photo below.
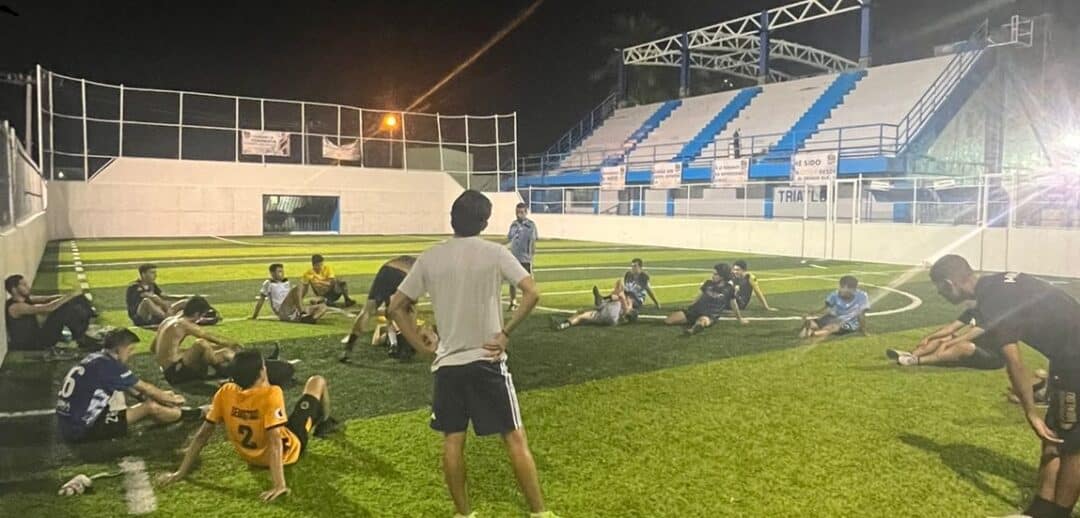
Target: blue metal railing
(580, 131)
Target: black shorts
(527, 267)
(385, 284)
(178, 373)
(984, 358)
(481, 392)
(152, 321)
(693, 313)
(305, 415)
(109, 425)
(1062, 413)
(335, 292)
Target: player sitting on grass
(320, 278)
(844, 312)
(717, 296)
(191, 364)
(616, 308)
(746, 284)
(952, 345)
(636, 284)
(285, 299)
(147, 305)
(253, 412)
(91, 404)
(27, 333)
(385, 284)
(388, 334)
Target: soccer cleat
(597, 299)
(559, 324)
(326, 427)
(893, 354)
(512, 306)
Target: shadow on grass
(972, 463)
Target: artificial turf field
(631, 421)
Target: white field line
(138, 491)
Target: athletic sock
(1043, 508)
(350, 342)
(190, 414)
(564, 325)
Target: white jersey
(463, 276)
(275, 291)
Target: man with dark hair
(147, 305)
(746, 284)
(22, 311)
(522, 242)
(463, 276)
(91, 404)
(611, 310)
(385, 284)
(844, 312)
(285, 299)
(262, 433)
(191, 364)
(717, 296)
(320, 278)
(1019, 308)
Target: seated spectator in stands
(147, 306)
(285, 299)
(37, 323)
(91, 404)
(844, 312)
(746, 285)
(320, 278)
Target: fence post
(360, 134)
(120, 149)
(180, 131)
(236, 129)
(52, 142)
(498, 162)
(85, 146)
(303, 133)
(468, 157)
(404, 146)
(338, 131)
(9, 171)
(262, 121)
(438, 129)
(41, 118)
(515, 153)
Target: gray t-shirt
(522, 237)
(463, 276)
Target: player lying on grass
(190, 364)
(1019, 308)
(22, 311)
(322, 281)
(147, 305)
(746, 285)
(844, 312)
(612, 310)
(91, 405)
(262, 433)
(955, 345)
(388, 334)
(385, 284)
(717, 296)
(285, 299)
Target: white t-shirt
(464, 277)
(276, 292)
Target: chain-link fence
(22, 189)
(85, 124)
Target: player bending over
(285, 299)
(385, 284)
(253, 413)
(844, 312)
(91, 405)
(190, 364)
(616, 308)
(746, 284)
(717, 296)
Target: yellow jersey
(248, 414)
(323, 276)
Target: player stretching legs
(608, 311)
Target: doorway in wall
(288, 214)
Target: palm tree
(644, 83)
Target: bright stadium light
(389, 121)
(1071, 140)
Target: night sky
(383, 54)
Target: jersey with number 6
(248, 414)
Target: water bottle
(66, 334)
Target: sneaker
(349, 302)
(597, 299)
(557, 323)
(307, 319)
(511, 307)
(907, 360)
(326, 427)
(893, 354)
(693, 330)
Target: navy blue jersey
(134, 296)
(87, 389)
(715, 297)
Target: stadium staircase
(693, 148)
(663, 112)
(819, 111)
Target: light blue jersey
(522, 237)
(847, 310)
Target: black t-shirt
(134, 295)
(745, 289)
(715, 297)
(636, 285)
(22, 330)
(1020, 308)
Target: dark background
(384, 54)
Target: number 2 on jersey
(245, 441)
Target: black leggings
(74, 314)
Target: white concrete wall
(136, 197)
(1032, 250)
(21, 249)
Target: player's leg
(454, 471)
(948, 354)
(178, 306)
(676, 318)
(521, 459)
(1067, 486)
(826, 330)
(316, 311)
(929, 347)
(149, 311)
(342, 287)
(701, 323)
(153, 410)
(581, 317)
(318, 388)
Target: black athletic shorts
(693, 313)
(481, 392)
(385, 285)
(178, 373)
(305, 415)
(1062, 413)
(109, 425)
(527, 267)
(152, 321)
(335, 292)
(984, 357)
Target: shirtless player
(190, 364)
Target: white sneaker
(907, 360)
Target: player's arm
(946, 331)
(760, 294)
(276, 463)
(734, 304)
(1021, 386)
(258, 306)
(165, 397)
(22, 309)
(862, 324)
(530, 297)
(198, 332)
(819, 313)
(191, 454)
(43, 300)
(401, 313)
(649, 292)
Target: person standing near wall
(522, 241)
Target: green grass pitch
(631, 421)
